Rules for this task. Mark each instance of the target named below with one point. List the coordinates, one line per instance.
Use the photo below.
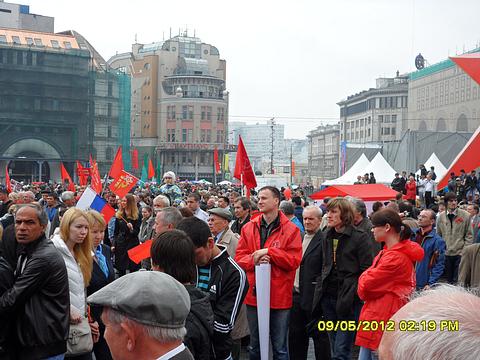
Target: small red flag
(215, 160)
(151, 170)
(107, 212)
(66, 177)
(140, 252)
(8, 183)
(95, 177)
(293, 168)
(135, 159)
(123, 184)
(243, 167)
(117, 165)
(83, 173)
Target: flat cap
(147, 297)
(224, 213)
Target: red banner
(66, 177)
(123, 184)
(83, 173)
(8, 183)
(215, 160)
(95, 177)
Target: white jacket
(76, 284)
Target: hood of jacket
(200, 307)
(409, 248)
(61, 245)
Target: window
(38, 42)
(110, 88)
(3, 39)
(19, 58)
(394, 118)
(171, 136)
(386, 119)
(109, 153)
(368, 132)
(361, 122)
(184, 135)
(380, 118)
(67, 45)
(29, 41)
(394, 130)
(109, 109)
(204, 113)
(16, 40)
(190, 112)
(184, 112)
(209, 113)
(369, 120)
(109, 131)
(220, 134)
(220, 114)
(55, 44)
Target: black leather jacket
(40, 302)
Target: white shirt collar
(172, 352)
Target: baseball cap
(147, 297)
(223, 213)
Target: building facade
(49, 100)
(443, 98)
(375, 115)
(323, 153)
(16, 16)
(179, 103)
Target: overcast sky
(293, 60)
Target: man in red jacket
(270, 238)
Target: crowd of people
(69, 287)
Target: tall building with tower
(179, 104)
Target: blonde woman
(127, 228)
(102, 274)
(74, 242)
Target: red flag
(151, 169)
(243, 167)
(135, 159)
(117, 165)
(140, 252)
(215, 160)
(83, 173)
(470, 63)
(66, 177)
(123, 183)
(293, 168)
(8, 183)
(95, 177)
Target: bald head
(442, 308)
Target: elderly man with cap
(169, 188)
(218, 222)
(144, 316)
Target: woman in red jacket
(411, 190)
(387, 284)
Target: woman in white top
(75, 244)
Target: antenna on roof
(194, 33)
(136, 38)
(170, 32)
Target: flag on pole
(117, 165)
(123, 184)
(95, 176)
(90, 200)
(293, 168)
(8, 183)
(83, 173)
(66, 177)
(215, 160)
(144, 176)
(226, 163)
(243, 168)
(140, 252)
(159, 169)
(135, 159)
(151, 170)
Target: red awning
(366, 192)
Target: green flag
(144, 177)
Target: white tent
(383, 172)
(225, 182)
(351, 174)
(440, 169)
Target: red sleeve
(243, 255)
(288, 258)
(376, 281)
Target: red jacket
(285, 250)
(411, 189)
(385, 287)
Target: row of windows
(188, 113)
(388, 102)
(188, 158)
(444, 94)
(36, 104)
(387, 118)
(358, 123)
(29, 58)
(34, 42)
(187, 136)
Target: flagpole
(104, 184)
(241, 185)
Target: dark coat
(310, 270)
(124, 240)
(199, 324)
(353, 256)
(41, 301)
(6, 329)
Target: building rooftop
(37, 39)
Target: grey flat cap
(224, 213)
(148, 297)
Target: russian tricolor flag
(90, 200)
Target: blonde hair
(131, 211)
(96, 219)
(81, 252)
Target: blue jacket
(427, 273)
(299, 224)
